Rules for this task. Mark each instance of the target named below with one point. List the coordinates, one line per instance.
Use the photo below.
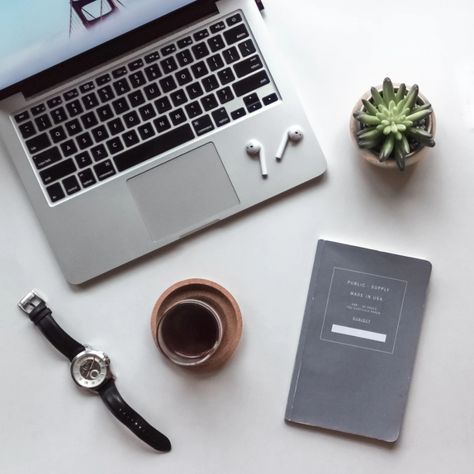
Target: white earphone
(255, 148)
(294, 134)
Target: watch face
(89, 369)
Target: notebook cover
(358, 341)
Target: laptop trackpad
(183, 194)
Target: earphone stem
(263, 165)
(281, 149)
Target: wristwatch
(90, 370)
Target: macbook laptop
(128, 121)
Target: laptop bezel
(111, 49)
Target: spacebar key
(155, 147)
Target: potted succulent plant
(393, 125)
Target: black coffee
(189, 330)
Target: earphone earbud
(255, 148)
(293, 134)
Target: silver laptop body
(167, 168)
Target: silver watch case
(90, 369)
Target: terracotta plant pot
(368, 155)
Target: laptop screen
(35, 35)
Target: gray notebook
(358, 341)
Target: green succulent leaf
(376, 97)
(369, 107)
(422, 136)
(388, 92)
(368, 119)
(419, 115)
(400, 94)
(400, 157)
(412, 96)
(387, 148)
(369, 133)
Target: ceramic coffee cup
(196, 324)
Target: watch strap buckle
(30, 302)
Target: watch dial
(89, 369)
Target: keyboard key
(199, 69)
(203, 125)
(58, 134)
(22, 116)
(105, 113)
(231, 55)
(89, 120)
(234, 19)
(72, 94)
(104, 170)
(220, 117)
(270, 99)
(87, 87)
(215, 62)
(193, 109)
(247, 48)
(236, 34)
(90, 101)
(147, 112)
(58, 171)
(248, 66)
(200, 50)
(101, 80)
(178, 98)
(216, 43)
(47, 157)
(178, 116)
(136, 98)
(251, 83)
(43, 122)
(73, 127)
(121, 86)
(71, 185)
(183, 42)
(130, 138)
(115, 145)
(226, 76)
(169, 65)
(134, 65)
(120, 106)
(137, 79)
(184, 77)
(68, 148)
(209, 102)
(131, 119)
(99, 152)
(184, 58)
(146, 131)
(152, 57)
(210, 83)
(100, 133)
(152, 91)
(87, 178)
(251, 99)
(38, 143)
(162, 105)
(154, 147)
(200, 35)
(38, 109)
(236, 114)
(217, 27)
(194, 90)
(27, 130)
(225, 95)
(74, 108)
(59, 115)
(167, 50)
(162, 124)
(84, 141)
(168, 84)
(55, 192)
(105, 94)
(121, 71)
(83, 159)
(153, 72)
(115, 126)
(54, 102)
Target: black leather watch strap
(40, 314)
(131, 419)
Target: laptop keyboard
(158, 101)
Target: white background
(233, 421)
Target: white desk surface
(232, 422)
